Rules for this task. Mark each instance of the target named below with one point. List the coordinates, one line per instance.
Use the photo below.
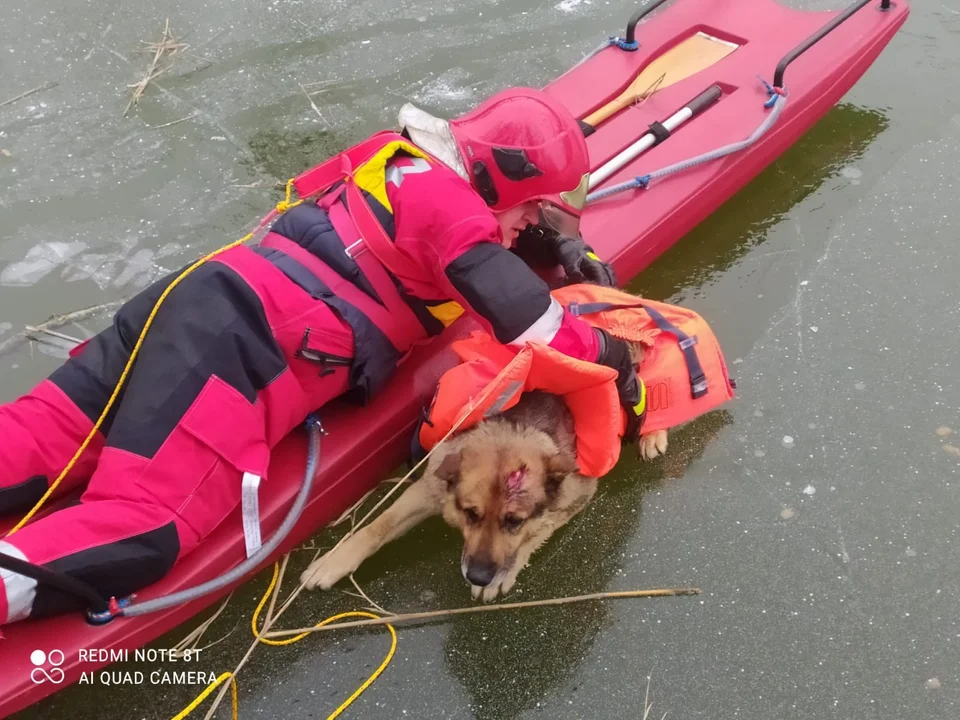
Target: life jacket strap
(320, 280)
(358, 227)
(578, 308)
(372, 235)
(383, 255)
(341, 167)
(698, 379)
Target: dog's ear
(449, 470)
(557, 468)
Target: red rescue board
(630, 229)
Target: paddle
(658, 133)
(694, 54)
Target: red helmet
(522, 145)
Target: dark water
(817, 513)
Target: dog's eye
(473, 517)
(512, 522)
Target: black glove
(580, 262)
(615, 354)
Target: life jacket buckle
(698, 385)
(350, 253)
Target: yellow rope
(203, 696)
(256, 633)
(254, 619)
(282, 207)
(376, 673)
(285, 204)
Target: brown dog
(508, 484)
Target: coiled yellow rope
(254, 621)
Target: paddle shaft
(629, 153)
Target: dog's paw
(507, 585)
(491, 593)
(488, 593)
(485, 594)
(328, 570)
(495, 589)
(653, 445)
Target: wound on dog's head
(515, 479)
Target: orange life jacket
(683, 372)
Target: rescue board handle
(642, 13)
(818, 36)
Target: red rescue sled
(821, 55)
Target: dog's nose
(481, 574)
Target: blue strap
(773, 92)
(623, 44)
(698, 379)
(576, 309)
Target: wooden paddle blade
(696, 53)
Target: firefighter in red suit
(255, 339)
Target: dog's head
(501, 487)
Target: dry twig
(191, 640)
(276, 588)
(313, 104)
(167, 47)
(33, 331)
(55, 322)
(351, 512)
(647, 707)
(175, 122)
(377, 608)
(21, 96)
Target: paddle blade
(696, 53)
